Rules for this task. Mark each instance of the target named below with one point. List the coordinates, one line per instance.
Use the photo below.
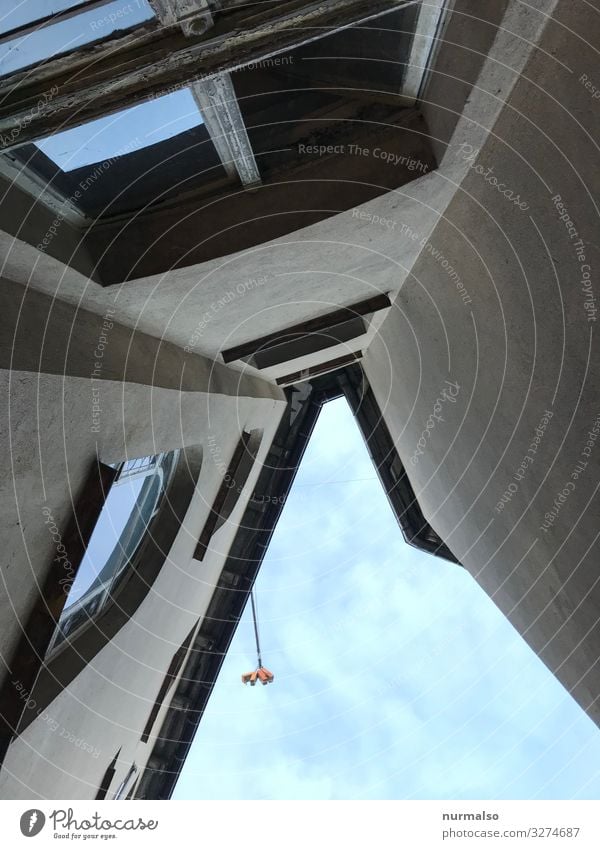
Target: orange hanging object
(262, 674)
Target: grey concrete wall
(524, 343)
(45, 334)
(57, 363)
(108, 703)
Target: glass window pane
(119, 507)
(29, 11)
(132, 502)
(123, 132)
(71, 33)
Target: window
(33, 12)
(132, 502)
(123, 132)
(144, 155)
(55, 29)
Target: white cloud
(396, 676)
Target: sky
(64, 35)
(123, 132)
(396, 677)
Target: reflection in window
(132, 502)
(123, 132)
(67, 34)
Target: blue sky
(64, 35)
(123, 132)
(396, 677)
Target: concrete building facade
(425, 245)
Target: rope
(255, 627)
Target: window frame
(108, 589)
(55, 673)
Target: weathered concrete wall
(76, 384)
(107, 704)
(520, 342)
(51, 336)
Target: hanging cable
(254, 617)
(261, 674)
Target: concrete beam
(217, 101)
